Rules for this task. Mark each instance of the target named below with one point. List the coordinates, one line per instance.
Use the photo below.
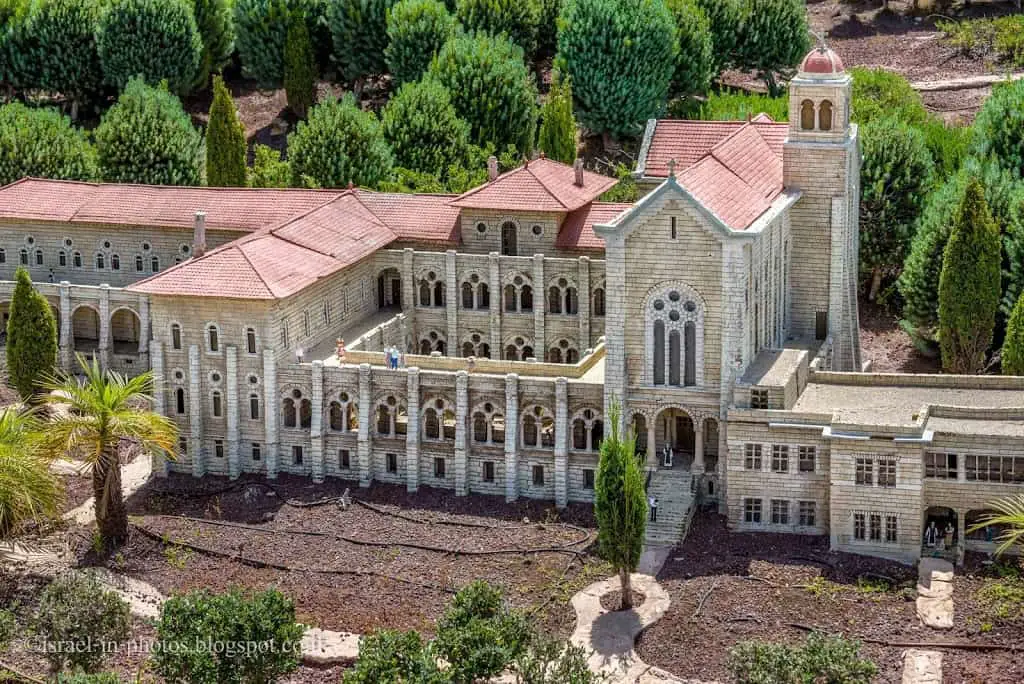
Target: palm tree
(102, 409)
(28, 490)
(1009, 514)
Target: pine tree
(299, 69)
(31, 338)
(225, 141)
(969, 285)
(1013, 345)
(557, 138)
(619, 504)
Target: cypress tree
(225, 141)
(31, 338)
(299, 68)
(557, 137)
(1013, 345)
(969, 285)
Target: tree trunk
(627, 588)
(111, 514)
(74, 109)
(876, 284)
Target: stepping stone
(922, 667)
(935, 593)
(326, 647)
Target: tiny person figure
(950, 532)
(339, 349)
(387, 356)
(931, 535)
(299, 354)
(395, 355)
(51, 275)
(470, 363)
(653, 503)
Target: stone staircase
(675, 506)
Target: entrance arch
(125, 329)
(389, 290)
(945, 541)
(674, 429)
(85, 328)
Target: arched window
(579, 434)
(526, 298)
(212, 338)
(154, 263)
(288, 412)
(529, 431)
(468, 296)
(807, 115)
(659, 352)
(216, 404)
(438, 294)
(587, 430)
(572, 303)
(115, 262)
(62, 258)
(250, 340)
(175, 336)
(39, 257)
(479, 428)
(179, 401)
(518, 349)
(825, 115)
(555, 355)
(139, 264)
(100, 261)
(24, 257)
(3, 255)
(305, 413)
(383, 420)
(431, 425)
(554, 300)
(424, 293)
(509, 241)
(337, 417)
(484, 297)
(511, 353)
(254, 406)
(690, 345)
(510, 298)
(599, 301)
(675, 319)
(78, 260)
(673, 358)
(538, 428)
(572, 356)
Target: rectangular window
(327, 312)
(752, 457)
(780, 512)
(39, 257)
(254, 407)
(62, 258)
(487, 469)
(538, 476)
(344, 460)
(672, 221)
(859, 526)
(216, 405)
(864, 472)
(875, 528)
(807, 455)
(297, 455)
(752, 510)
(3, 256)
(305, 323)
(821, 325)
(886, 472)
(175, 337)
(182, 446)
(890, 529)
(391, 463)
(284, 334)
(24, 258)
(1005, 469)
(250, 341)
(257, 454)
(758, 398)
(940, 465)
(588, 478)
(218, 448)
(439, 468)
(780, 458)
(807, 513)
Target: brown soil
(763, 584)
(612, 601)
(887, 345)
(77, 490)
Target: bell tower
(821, 159)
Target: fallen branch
(703, 600)
(895, 643)
(19, 674)
(745, 618)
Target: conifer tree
(557, 138)
(969, 285)
(299, 68)
(1013, 345)
(225, 141)
(31, 338)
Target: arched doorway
(673, 430)
(640, 433)
(940, 531)
(85, 328)
(509, 239)
(125, 329)
(389, 290)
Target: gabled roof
(539, 185)
(415, 217)
(578, 228)
(687, 142)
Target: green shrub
(225, 141)
(416, 31)
(547, 28)
(620, 56)
(896, 176)
(517, 19)
(12, 15)
(157, 40)
(76, 609)
(339, 144)
(998, 38)
(773, 38)
(217, 33)
(625, 190)
(969, 285)
(820, 659)
(557, 137)
(879, 92)
(425, 133)
(251, 623)
(58, 52)
(148, 138)
(300, 69)
(1013, 345)
(695, 64)
(551, 661)
(724, 17)
(44, 144)
(390, 657)
(268, 169)
(31, 338)
(409, 181)
(491, 89)
(948, 145)
(738, 105)
(83, 678)
(8, 628)
(261, 28)
(359, 34)
(999, 128)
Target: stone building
(719, 311)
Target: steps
(675, 506)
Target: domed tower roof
(821, 62)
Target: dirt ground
(889, 347)
(758, 586)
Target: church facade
(719, 312)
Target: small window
(391, 462)
(758, 398)
(439, 468)
(139, 264)
(344, 459)
(538, 476)
(752, 510)
(250, 340)
(488, 471)
(806, 456)
(217, 408)
(24, 257)
(179, 401)
(481, 227)
(115, 262)
(780, 512)
(859, 526)
(537, 230)
(864, 471)
(78, 259)
(212, 338)
(890, 529)
(146, 246)
(825, 115)
(100, 262)
(3, 256)
(875, 527)
(106, 244)
(39, 257)
(780, 458)
(218, 448)
(154, 264)
(256, 453)
(886, 472)
(821, 325)
(62, 258)
(752, 457)
(807, 115)
(305, 323)
(588, 478)
(297, 455)
(182, 446)
(672, 229)
(254, 406)
(175, 336)
(941, 466)
(807, 513)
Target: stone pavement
(935, 610)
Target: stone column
(698, 446)
(461, 421)
(614, 324)
(231, 387)
(652, 442)
(511, 437)
(412, 432)
(271, 407)
(583, 297)
(961, 525)
(316, 423)
(365, 418)
(451, 302)
(104, 346)
(144, 331)
(409, 290)
(66, 327)
(540, 300)
(561, 442)
(156, 355)
(195, 412)
(497, 302)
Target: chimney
(199, 235)
(492, 167)
(577, 166)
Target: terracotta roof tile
(748, 155)
(689, 141)
(578, 228)
(541, 185)
(415, 217)
(724, 193)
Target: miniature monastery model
(720, 311)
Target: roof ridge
(490, 182)
(544, 185)
(304, 214)
(256, 270)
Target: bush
(225, 141)
(416, 31)
(820, 659)
(625, 190)
(190, 621)
(148, 138)
(359, 35)
(948, 145)
(557, 138)
(217, 34)
(12, 16)
(724, 18)
(620, 56)
(1001, 38)
(300, 70)
(491, 89)
(83, 678)
(77, 609)
(261, 28)
(879, 92)
(999, 128)
(896, 176)
(339, 144)
(695, 64)
(390, 657)
(268, 169)
(157, 40)
(969, 285)
(738, 105)
(1013, 345)
(550, 661)
(773, 38)
(44, 144)
(425, 133)
(517, 19)
(31, 338)
(8, 628)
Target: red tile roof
(541, 185)
(689, 141)
(415, 217)
(578, 228)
